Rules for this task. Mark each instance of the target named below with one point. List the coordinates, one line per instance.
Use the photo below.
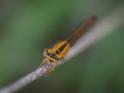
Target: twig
(101, 29)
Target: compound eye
(53, 56)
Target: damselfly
(57, 53)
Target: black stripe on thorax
(61, 48)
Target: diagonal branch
(101, 29)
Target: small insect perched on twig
(57, 53)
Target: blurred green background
(27, 27)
